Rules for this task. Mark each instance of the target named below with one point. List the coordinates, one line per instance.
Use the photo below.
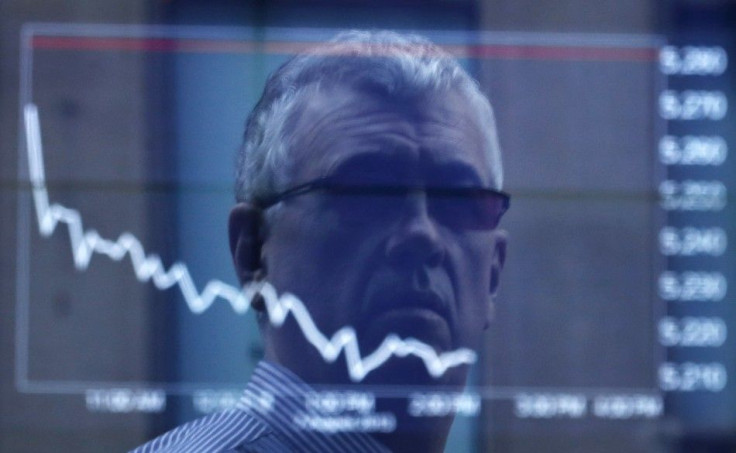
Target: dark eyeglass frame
(331, 186)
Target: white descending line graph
(85, 243)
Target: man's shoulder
(231, 430)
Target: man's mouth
(410, 307)
(423, 315)
(409, 304)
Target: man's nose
(416, 240)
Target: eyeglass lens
(471, 211)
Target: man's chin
(409, 374)
(423, 325)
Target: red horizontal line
(538, 52)
(142, 44)
(502, 52)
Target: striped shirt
(265, 420)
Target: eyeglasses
(470, 208)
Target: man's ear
(500, 239)
(245, 233)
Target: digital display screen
(610, 330)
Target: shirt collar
(277, 397)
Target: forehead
(430, 132)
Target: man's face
(383, 263)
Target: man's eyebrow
(454, 171)
(370, 161)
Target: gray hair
(399, 66)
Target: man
(368, 191)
